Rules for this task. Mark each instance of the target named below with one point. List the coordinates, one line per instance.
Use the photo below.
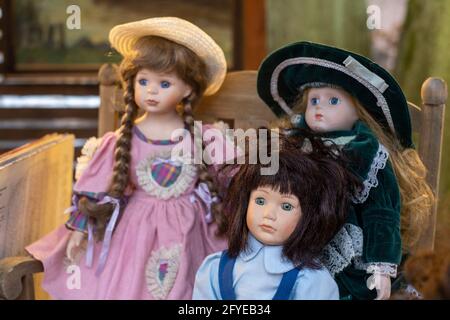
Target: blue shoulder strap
(286, 285)
(226, 266)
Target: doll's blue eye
(165, 84)
(260, 201)
(287, 206)
(143, 82)
(314, 101)
(334, 101)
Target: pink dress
(162, 235)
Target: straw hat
(124, 36)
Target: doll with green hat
(352, 102)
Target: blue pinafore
(226, 266)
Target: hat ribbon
(202, 191)
(356, 67)
(107, 238)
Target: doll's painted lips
(319, 116)
(267, 228)
(151, 102)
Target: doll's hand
(382, 283)
(74, 244)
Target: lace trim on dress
(386, 268)
(345, 246)
(87, 153)
(161, 270)
(379, 162)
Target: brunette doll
(273, 238)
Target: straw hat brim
(123, 37)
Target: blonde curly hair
(417, 198)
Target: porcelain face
(272, 216)
(159, 92)
(330, 109)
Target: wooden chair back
(238, 104)
(428, 125)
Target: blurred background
(51, 50)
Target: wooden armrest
(13, 273)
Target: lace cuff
(385, 268)
(346, 246)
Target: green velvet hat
(285, 71)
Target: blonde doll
(147, 207)
(355, 104)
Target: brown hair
(159, 55)
(315, 177)
(417, 197)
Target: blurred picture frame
(46, 37)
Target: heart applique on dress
(165, 171)
(165, 176)
(161, 270)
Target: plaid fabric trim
(78, 221)
(163, 142)
(165, 174)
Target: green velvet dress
(370, 241)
